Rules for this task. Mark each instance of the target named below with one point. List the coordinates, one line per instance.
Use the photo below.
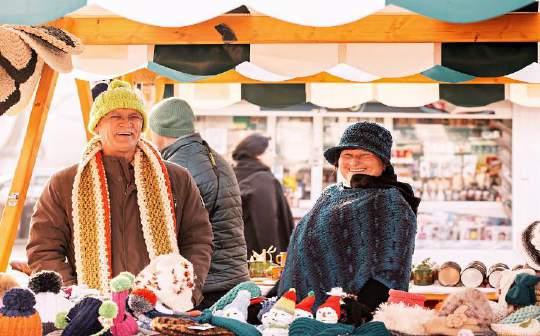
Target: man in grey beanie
(172, 130)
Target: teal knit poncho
(349, 236)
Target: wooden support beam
(11, 216)
(159, 89)
(85, 100)
(248, 29)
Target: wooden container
(494, 274)
(474, 274)
(449, 274)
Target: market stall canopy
(316, 13)
(346, 95)
(359, 62)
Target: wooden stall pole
(12, 213)
(85, 100)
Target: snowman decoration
(303, 309)
(277, 320)
(238, 308)
(330, 310)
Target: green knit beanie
(120, 94)
(172, 117)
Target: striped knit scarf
(92, 216)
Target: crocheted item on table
(91, 211)
(173, 326)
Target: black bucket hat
(363, 135)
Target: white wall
(525, 168)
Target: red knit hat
(333, 302)
(307, 302)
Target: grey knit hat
(172, 117)
(363, 135)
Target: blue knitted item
(250, 286)
(237, 327)
(309, 327)
(349, 236)
(521, 315)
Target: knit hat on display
(18, 316)
(123, 324)
(142, 300)
(119, 95)
(530, 245)
(171, 278)
(403, 318)
(251, 147)
(477, 304)
(363, 135)
(530, 327)
(311, 327)
(522, 292)
(287, 302)
(46, 286)
(522, 314)
(226, 299)
(20, 69)
(7, 282)
(87, 317)
(410, 299)
(307, 303)
(55, 46)
(173, 118)
(183, 327)
(238, 308)
(333, 303)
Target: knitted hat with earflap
(50, 300)
(18, 316)
(119, 95)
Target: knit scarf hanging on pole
(92, 216)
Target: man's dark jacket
(229, 260)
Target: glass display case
(460, 166)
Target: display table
(431, 293)
(439, 293)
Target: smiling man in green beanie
(173, 131)
(120, 206)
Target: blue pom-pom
(19, 300)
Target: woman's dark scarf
(387, 180)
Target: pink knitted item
(407, 298)
(123, 324)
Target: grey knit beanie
(173, 118)
(363, 135)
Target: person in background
(172, 130)
(360, 233)
(267, 217)
(120, 206)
